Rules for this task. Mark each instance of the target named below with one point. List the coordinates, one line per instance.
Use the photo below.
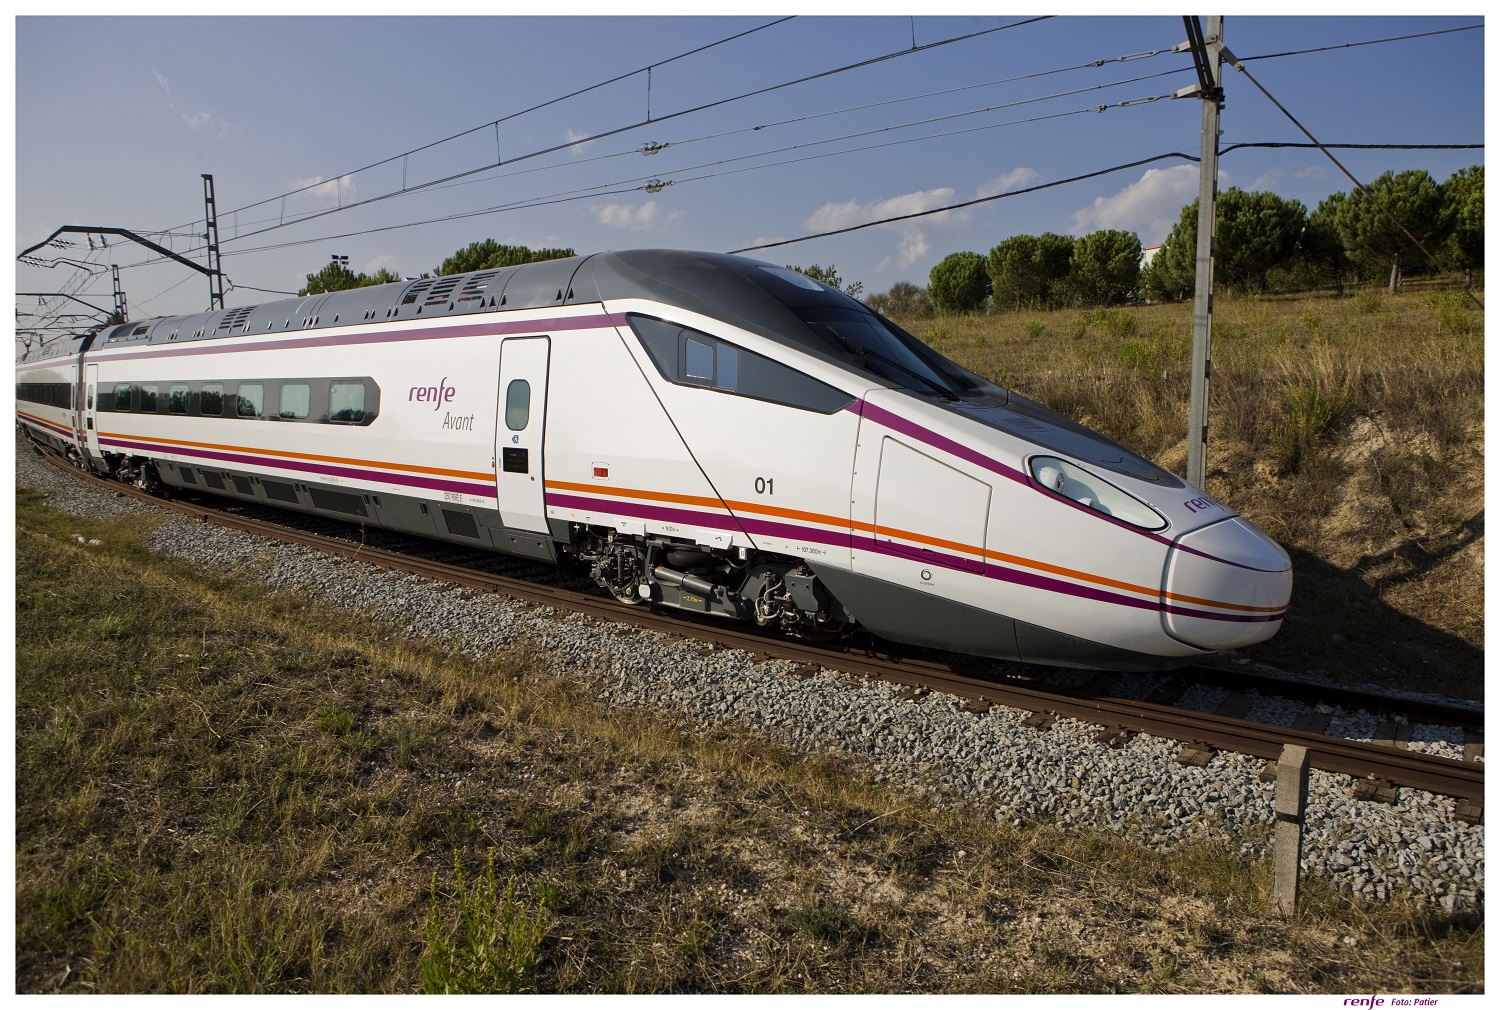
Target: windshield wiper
(865, 352)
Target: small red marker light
(601, 471)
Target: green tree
(1106, 267)
(1372, 239)
(1254, 232)
(337, 277)
(829, 275)
(1321, 256)
(1463, 195)
(1171, 274)
(959, 283)
(1030, 271)
(491, 255)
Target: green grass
(220, 790)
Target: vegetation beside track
(221, 790)
(1351, 429)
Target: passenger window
(698, 360)
(178, 404)
(346, 402)
(296, 398)
(122, 397)
(148, 399)
(250, 399)
(517, 404)
(211, 399)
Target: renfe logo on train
(436, 395)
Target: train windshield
(870, 344)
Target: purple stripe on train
(44, 423)
(897, 423)
(840, 538)
(280, 463)
(489, 329)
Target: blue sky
(116, 118)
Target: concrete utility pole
(1206, 48)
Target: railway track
(1379, 769)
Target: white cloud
(327, 193)
(574, 135)
(912, 244)
(196, 120)
(1149, 207)
(646, 217)
(1020, 178)
(382, 262)
(842, 215)
(1277, 176)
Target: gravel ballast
(932, 745)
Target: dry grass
(221, 791)
(1350, 429)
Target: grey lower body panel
(907, 615)
(459, 524)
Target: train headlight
(1094, 492)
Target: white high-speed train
(703, 431)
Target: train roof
(57, 347)
(754, 295)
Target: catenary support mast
(215, 273)
(1206, 55)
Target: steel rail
(1361, 760)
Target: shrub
(1452, 309)
(904, 300)
(492, 947)
(1310, 413)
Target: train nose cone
(1226, 585)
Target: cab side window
(690, 358)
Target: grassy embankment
(1350, 429)
(221, 790)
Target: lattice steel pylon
(119, 294)
(215, 274)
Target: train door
(519, 432)
(923, 517)
(90, 410)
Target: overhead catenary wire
(793, 147)
(576, 141)
(592, 192)
(1239, 66)
(515, 115)
(967, 203)
(1060, 182)
(1353, 45)
(656, 148)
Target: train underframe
(740, 583)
